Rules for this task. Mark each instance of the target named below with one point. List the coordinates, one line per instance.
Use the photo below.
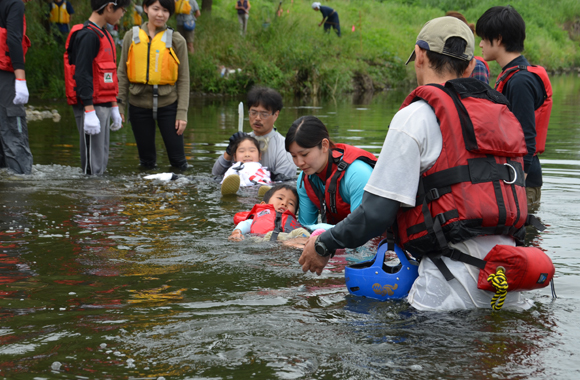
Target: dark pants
(143, 126)
(14, 148)
(333, 22)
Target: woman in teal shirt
(333, 176)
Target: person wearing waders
(90, 70)
(448, 183)
(14, 148)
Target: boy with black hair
(527, 87)
(91, 82)
(264, 106)
(14, 147)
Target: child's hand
(236, 236)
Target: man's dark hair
(167, 4)
(266, 97)
(443, 64)
(281, 186)
(503, 23)
(100, 5)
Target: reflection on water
(121, 277)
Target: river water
(117, 277)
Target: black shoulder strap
(277, 227)
(466, 125)
(508, 72)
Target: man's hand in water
(310, 260)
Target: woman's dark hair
(281, 186)
(167, 4)
(247, 137)
(446, 64)
(266, 97)
(100, 5)
(505, 23)
(307, 132)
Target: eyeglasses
(263, 114)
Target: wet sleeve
(307, 212)
(370, 219)
(244, 226)
(221, 166)
(15, 33)
(86, 49)
(69, 8)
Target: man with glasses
(264, 106)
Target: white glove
(92, 123)
(117, 120)
(21, 96)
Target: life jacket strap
(155, 100)
(277, 227)
(136, 38)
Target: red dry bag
(526, 268)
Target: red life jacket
(332, 207)
(5, 61)
(476, 187)
(105, 84)
(266, 219)
(542, 114)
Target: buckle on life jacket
(434, 194)
(341, 166)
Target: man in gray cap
(449, 174)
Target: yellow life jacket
(152, 62)
(59, 14)
(182, 7)
(137, 19)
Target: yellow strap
(499, 282)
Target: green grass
(291, 53)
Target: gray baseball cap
(436, 32)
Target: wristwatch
(321, 248)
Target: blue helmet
(375, 279)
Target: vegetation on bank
(288, 51)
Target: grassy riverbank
(291, 53)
